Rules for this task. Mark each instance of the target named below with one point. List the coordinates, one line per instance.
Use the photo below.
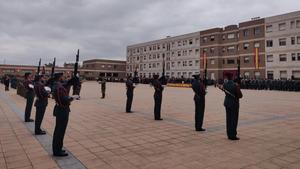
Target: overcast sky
(30, 29)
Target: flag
(256, 58)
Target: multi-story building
(104, 68)
(283, 46)
(224, 47)
(180, 55)
(90, 69)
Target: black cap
(155, 76)
(196, 76)
(27, 74)
(58, 75)
(228, 75)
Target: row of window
(168, 64)
(284, 58)
(232, 49)
(283, 41)
(167, 46)
(283, 26)
(246, 33)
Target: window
(283, 75)
(179, 43)
(212, 50)
(191, 41)
(190, 52)
(282, 42)
(173, 64)
(257, 31)
(190, 63)
(247, 59)
(231, 36)
(256, 44)
(293, 40)
(269, 43)
(292, 24)
(246, 32)
(257, 75)
(269, 28)
(197, 63)
(230, 61)
(298, 56)
(230, 49)
(298, 39)
(270, 75)
(205, 39)
(247, 74)
(184, 63)
(298, 24)
(212, 76)
(246, 46)
(223, 37)
(282, 58)
(178, 63)
(150, 65)
(293, 56)
(269, 58)
(212, 38)
(282, 26)
(197, 51)
(179, 53)
(212, 61)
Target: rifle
(205, 70)
(39, 67)
(163, 80)
(76, 64)
(225, 91)
(239, 71)
(53, 67)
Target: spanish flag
(204, 60)
(256, 58)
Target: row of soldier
(60, 92)
(267, 84)
(231, 101)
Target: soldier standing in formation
(28, 84)
(130, 87)
(103, 86)
(199, 99)
(6, 83)
(232, 105)
(40, 103)
(157, 97)
(61, 112)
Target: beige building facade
(283, 46)
(179, 54)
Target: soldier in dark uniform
(130, 87)
(103, 87)
(232, 105)
(199, 99)
(40, 103)
(6, 82)
(61, 112)
(28, 84)
(157, 97)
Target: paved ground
(100, 135)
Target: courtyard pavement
(100, 135)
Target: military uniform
(157, 98)
(29, 97)
(232, 108)
(6, 83)
(103, 88)
(40, 103)
(199, 99)
(61, 112)
(129, 93)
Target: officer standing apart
(28, 84)
(130, 87)
(40, 103)
(157, 97)
(103, 87)
(232, 106)
(199, 99)
(61, 112)
(6, 82)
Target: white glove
(48, 89)
(31, 86)
(75, 97)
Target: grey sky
(30, 29)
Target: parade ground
(100, 135)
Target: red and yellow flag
(256, 58)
